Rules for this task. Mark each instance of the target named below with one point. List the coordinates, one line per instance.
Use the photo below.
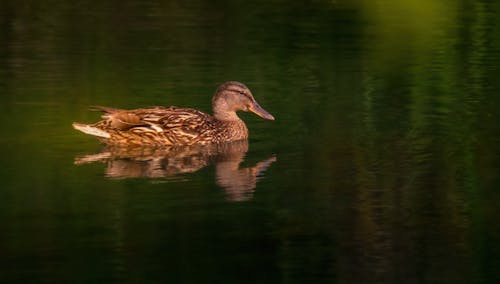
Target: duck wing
(172, 125)
(117, 119)
(152, 126)
(180, 125)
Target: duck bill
(258, 110)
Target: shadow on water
(157, 163)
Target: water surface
(382, 165)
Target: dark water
(383, 164)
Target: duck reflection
(238, 183)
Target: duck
(177, 126)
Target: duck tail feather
(91, 130)
(105, 109)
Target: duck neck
(230, 127)
(226, 115)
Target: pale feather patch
(155, 127)
(91, 130)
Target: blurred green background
(386, 138)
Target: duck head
(231, 97)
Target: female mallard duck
(172, 126)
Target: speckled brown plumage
(157, 126)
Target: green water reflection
(385, 159)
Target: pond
(382, 165)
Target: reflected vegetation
(387, 141)
(156, 163)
